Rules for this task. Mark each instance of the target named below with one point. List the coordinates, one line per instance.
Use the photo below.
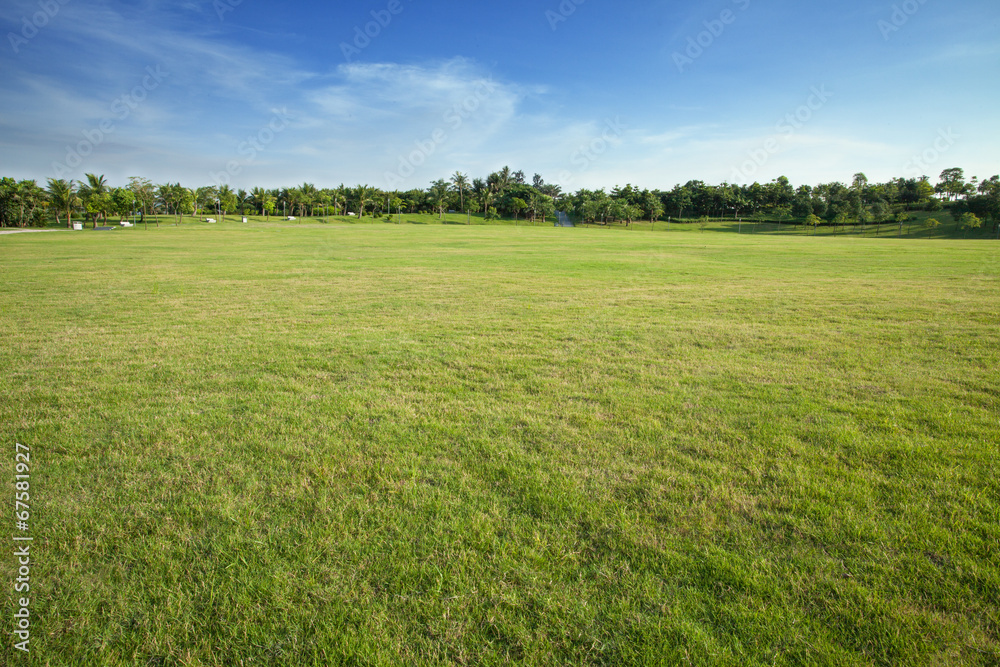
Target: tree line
(859, 202)
(509, 194)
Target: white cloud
(388, 112)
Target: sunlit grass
(426, 444)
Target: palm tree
(187, 200)
(273, 197)
(504, 180)
(551, 189)
(175, 199)
(64, 198)
(258, 196)
(478, 188)
(283, 197)
(97, 184)
(227, 200)
(165, 197)
(362, 195)
(483, 196)
(461, 181)
(310, 195)
(438, 194)
(340, 199)
(323, 198)
(296, 199)
(94, 189)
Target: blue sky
(591, 94)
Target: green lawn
(319, 218)
(915, 228)
(322, 444)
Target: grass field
(424, 444)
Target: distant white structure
(244, 219)
(291, 217)
(353, 215)
(126, 223)
(78, 226)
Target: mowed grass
(381, 444)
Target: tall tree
(94, 195)
(503, 181)
(63, 195)
(340, 199)
(681, 199)
(987, 203)
(258, 199)
(363, 197)
(309, 197)
(145, 195)
(227, 200)
(652, 206)
(206, 198)
(952, 182)
(461, 182)
(164, 197)
(438, 194)
(123, 202)
(22, 203)
(8, 196)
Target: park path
(564, 220)
(26, 231)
